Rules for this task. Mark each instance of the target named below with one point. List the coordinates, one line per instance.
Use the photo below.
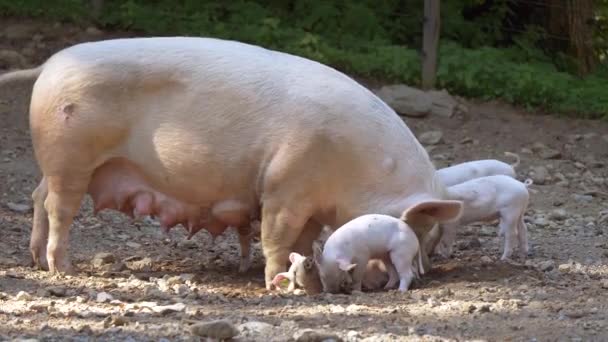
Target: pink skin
(119, 186)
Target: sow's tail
(514, 155)
(528, 182)
(20, 75)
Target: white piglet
(463, 172)
(486, 199)
(344, 258)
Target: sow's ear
(433, 211)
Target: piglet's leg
(509, 225)
(245, 242)
(40, 227)
(402, 261)
(393, 276)
(62, 203)
(522, 234)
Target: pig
(302, 273)
(489, 198)
(345, 255)
(178, 126)
(463, 172)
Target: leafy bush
(365, 38)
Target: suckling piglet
(463, 172)
(486, 199)
(344, 258)
(302, 273)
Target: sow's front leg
(281, 228)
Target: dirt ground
(155, 288)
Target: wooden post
(430, 43)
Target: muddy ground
(151, 288)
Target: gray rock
(103, 258)
(24, 296)
(444, 105)
(254, 328)
(309, 335)
(406, 100)
(19, 31)
(549, 153)
(558, 214)
(104, 297)
(10, 59)
(539, 175)
(19, 208)
(546, 266)
(220, 329)
(430, 137)
(582, 198)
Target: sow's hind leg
(40, 227)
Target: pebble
(143, 265)
(605, 283)
(165, 309)
(549, 153)
(564, 267)
(22, 295)
(255, 328)
(486, 259)
(103, 258)
(220, 329)
(541, 222)
(430, 138)
(353, 336)
(546, 266)
(57, 291)
(19, 208)
(582, 198)
(104, 297)
(309, 335)
(558, 214)
(539, 175)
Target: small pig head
(303, 273)
(336, 274)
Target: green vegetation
(486, 50)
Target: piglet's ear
(346, 266)
(295, 257)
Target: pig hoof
(244, 266)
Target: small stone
(19, 208)
(143, 265)
(133, 244)
(104, 297)
(558, 214)
(309, 335)
(165, 309)
(255, 328)
(57, 291)
(541, 222)
(539, 175)
(486, 259)
(430, 137)
(10, 59)
(101, 259)
(94, 31)
(115, 321)
(564, 267)
(484, 308)
(471, 308)
(24, 296)
(353, 336)
(549, 153)
(220, 329)
(546, 266)
(605, 283)
(582, 198)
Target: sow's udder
(119, 185)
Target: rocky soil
(138, 285)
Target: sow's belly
(120, 184)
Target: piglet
(463, 172)
(302, 273)
(486, 199)
(344, 258)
